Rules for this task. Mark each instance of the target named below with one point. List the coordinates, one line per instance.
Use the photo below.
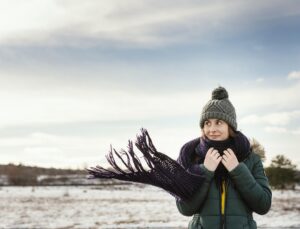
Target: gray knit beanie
(219, 107)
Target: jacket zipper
(220, 203)
(223, 216)
(226, 194)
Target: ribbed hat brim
(218, 115)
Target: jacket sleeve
(253, 186)
(192, 206)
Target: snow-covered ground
(123, 206)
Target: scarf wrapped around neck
(239, 144)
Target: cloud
(281, 130)
(38, 140)
(40, 148)
(71, 22)
(67, 101)
(260, 80)
(142, 22)
(275, 129)
(280, 118)
(294, 75)
(23, 108)
(58, 104)
(267, 98)
(37, 151)
(297, 131)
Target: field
(121, 206)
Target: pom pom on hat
(219, 93)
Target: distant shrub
(282, 174)
(17, 175)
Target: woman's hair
(232, 132)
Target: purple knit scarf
(158, 170)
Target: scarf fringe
(162, 171)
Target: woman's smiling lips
(214, 136)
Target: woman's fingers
(230, 151)
(212, 159)
(215, 153)
(229, 160)
(210, 150)
(219, 159)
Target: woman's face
(216, 129)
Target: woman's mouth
(214, 136)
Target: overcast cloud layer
(78, 76)
(135, 22)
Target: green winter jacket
(247, 191)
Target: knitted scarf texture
(181, 178)
(160, 170)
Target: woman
(235, 183)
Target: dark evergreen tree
(282, 173)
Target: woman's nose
(213, 128)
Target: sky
(76, 77)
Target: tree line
(282, 173)
(27, 175)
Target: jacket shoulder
(257, 150)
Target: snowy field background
(123, 206)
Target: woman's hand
(212, 159)
(229, 160)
